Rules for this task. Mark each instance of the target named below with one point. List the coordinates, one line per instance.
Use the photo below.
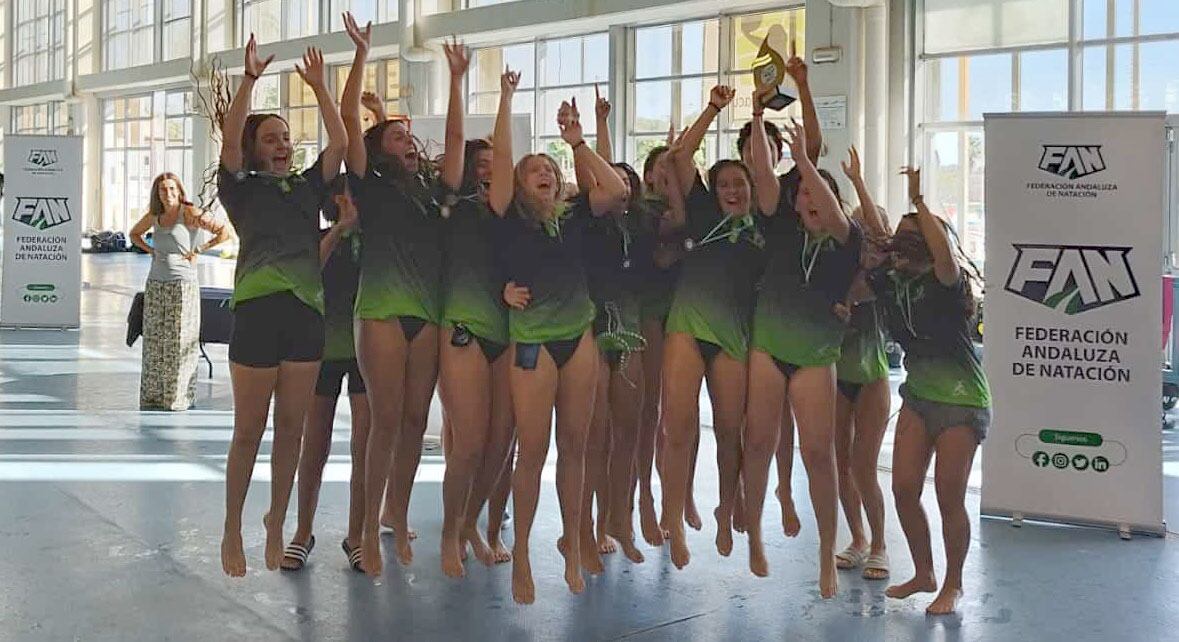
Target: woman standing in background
(172, 298)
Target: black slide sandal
(298, 554)
(353, 555)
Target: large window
(132, 29)
(674, 67)
(46, 119)
(38, 49)
(382, 77)
(273, 20)
(142, 137)
(553, 71)
(1126, 50)
(374, 11)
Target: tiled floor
(110, 522)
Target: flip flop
(850, 558)
(353, 555)
(297, 554)
(877, 563)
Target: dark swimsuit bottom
(411, 326)
(561, 351)
(849, 390)
(461, 337)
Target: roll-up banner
(1074, 207)
(42, 280)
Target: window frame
(45, 63)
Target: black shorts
(275, 328)
(331, 378)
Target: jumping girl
(555, 359)
(928, 300)
(278, 291)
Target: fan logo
(41, 213)
(42, 157)
(1072, 278)
(1072, 161)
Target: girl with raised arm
(813, 253)
(555, 360)
(863, 395)
(708, 327)
(278, 306)
(398, 303)
(928, 300)
(616, 244)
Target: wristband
(758, 114)
(250, 75)
(714, 106)
(578, 144)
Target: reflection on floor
(111, 521)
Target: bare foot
(233, 558)
(648, 522)
(626, 539)
(591, 562)
(523, 590)
(452, 557)
(828, 577)
(757, 557)
(918, 584)
(483, 552)
(500, 553)
(790, 524)
(388, 522)
(404, 550)
(691, 515)
(607, 545)
(573, 564)
(680, 555)
(274, 545)
(945, 603)
(370, 553)
(724, 533)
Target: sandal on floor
(294, 558)
(353, 555)
(877, 563)
(850, 558)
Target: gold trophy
(769, 71)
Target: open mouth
(732, 201)
(544, 185)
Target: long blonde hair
(531, 208)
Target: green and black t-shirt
(277, 221)
(547, 258)
(658, 283)
(401, 259)
(341, 274)
(931, 323)
(715, 294)
(862, 357)
(473, 289)
(806, 275)
(616, 248)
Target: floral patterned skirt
(171, 349)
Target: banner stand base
(1124, 530)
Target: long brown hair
(250, 138)
(528, 207)
(156, 204)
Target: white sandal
(850, 558)
(878, 562)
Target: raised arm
(239, 108)
(607, 193)
(874, 223)
(765, 182)
(945, 267)
(345, 223)
(312, 73)
(499, 193)
(602, 111)
(718, 99)
(140, 228)
(796, 68)
(458, 58)
(355, 158)
(828, 214)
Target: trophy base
(778, 101)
